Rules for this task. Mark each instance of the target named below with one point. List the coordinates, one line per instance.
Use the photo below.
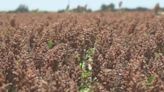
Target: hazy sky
(54, 5)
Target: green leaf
(50, 44)
(82, 65)
(150, 80)
(86, 74)
(89, 54)
(85, 90)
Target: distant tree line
(110, 7)
(105, 7)
(77, 9)
(21, 8)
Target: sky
(55, 5)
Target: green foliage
(82, 65)
(156, 9)
(50, 44)
(22, 8)
(85, 89)
(35, 11)
(61, 11)
(90, 52)
(67, 8)
(141, 9)
(150, 80)
(81, 9)
(77, 9)
(86, 74)
(86, 66)
(110, 7)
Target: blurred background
(78, 5)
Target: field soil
(43, 52)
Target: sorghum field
(82, 52)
